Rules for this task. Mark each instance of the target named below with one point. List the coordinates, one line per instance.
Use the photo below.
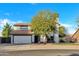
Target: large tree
(6, 30)
(44, 23)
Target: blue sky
(15, 13)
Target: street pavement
(39, 50)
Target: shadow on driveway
(74, 54)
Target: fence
(5, 40)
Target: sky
(23, 13)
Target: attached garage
(21, 37)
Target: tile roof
(22, 24)
(21, 32)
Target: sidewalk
(37, 47)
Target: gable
(76, 35)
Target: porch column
(11, 39)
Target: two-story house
(22, 33)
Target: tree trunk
(43, 39)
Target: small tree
(6, 30)
(62, 31)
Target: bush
(62, 40)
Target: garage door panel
(22, 39)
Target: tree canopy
(44, 22)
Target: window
(23, 28)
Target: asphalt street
(41, 53)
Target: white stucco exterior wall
(56, 33)
(11, 39)
(33, 38)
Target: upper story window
(22, 28)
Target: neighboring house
(75, 36)
(22, 33)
